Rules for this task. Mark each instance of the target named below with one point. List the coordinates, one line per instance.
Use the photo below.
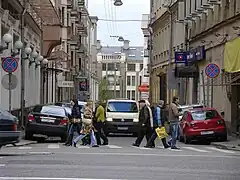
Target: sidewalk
(22, 142)
(233, 143)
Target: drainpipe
(22, 98)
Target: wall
(32, 74)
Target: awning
(46, 10)
(232, 56)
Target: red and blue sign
(9, 64)
(212, 70)
(181, 57)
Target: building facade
(122, 67)
(205, 29)
(32, 28)
(144, 93)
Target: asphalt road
(119, 160)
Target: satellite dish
(5, 81)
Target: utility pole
(22, 99)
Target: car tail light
(31, 117)
(220, 122)
(64, 122)
(14, 127)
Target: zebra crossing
(198, 149)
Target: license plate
(48, 120)
(206, 132)
(122, 128)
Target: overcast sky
(131, 10)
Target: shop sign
(196, 54)
(181, 57)
(65, 84)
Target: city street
(119, 160)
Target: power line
(122, 20)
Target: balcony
(82, 29)
(51, 24)
(69, 4)
(74, 40)
(81, 49)
(74, 13)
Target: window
(133, 95)
(122, 106)
(56, 111)
(72, 27)
(131, 67)
(129, 94)
(204, 115)
(133, 81)
(104, 67)
(67, 48)
(128, 80)
(63, 15)
(68, 19)
(111, 67)
(131, 55)
(141, 67)
(71, 58)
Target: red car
(203, 123)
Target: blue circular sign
(212, 70)
(9, 64)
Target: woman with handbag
(87, 127)
(75, 119)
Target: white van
(122, 116)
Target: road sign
(13, 83)
(9, 64)
(212, 70)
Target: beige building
(210, 26)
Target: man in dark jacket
(145, 122)
(158, 121)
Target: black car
(8, 129)
(48, 120)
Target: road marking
(25, 147)
(83, 147)
(2, 165)
(53, 146)
(141, 148)
(221, 150)
(1, 157)
(40, 153)
(113, 147)
(195, 149)
(49, 178)
(149, 154)
(176, 150)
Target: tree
(104, 92)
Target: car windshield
(122, 107)
(204, 115)
(57, 111)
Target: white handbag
(87, 121)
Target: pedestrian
(158, 121)
(75, 119)
(174, 121)
(100, 125)
(145, 122)
(87, 127)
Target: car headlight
(109, 119)
(135, 120)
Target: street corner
(22, 143)
(233, 145)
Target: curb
(21, 144)
(221, 146)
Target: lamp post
(7, 39)
(118, 3)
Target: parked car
(48, 120)
(203, 123)
(8, 129)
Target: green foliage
(104, 93)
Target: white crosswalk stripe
(113, 147)
(53, 146)
(82, 147)
(221, 150)
(25, 147)
(196, 149)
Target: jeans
(174, 133)
(81, 136)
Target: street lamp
(118, 3)
(34, 55)
(40, 61)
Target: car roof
(53, 106)
(190, 105)
(202, 109)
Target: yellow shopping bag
(161, 132)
